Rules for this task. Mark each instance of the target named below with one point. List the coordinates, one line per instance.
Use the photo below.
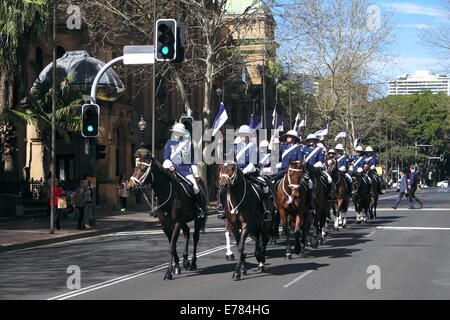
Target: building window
(60, 51)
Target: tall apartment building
(421, 80)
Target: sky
(410, 17)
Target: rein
(140, 182)
(232, 180)
(290, 185)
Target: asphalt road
(411, 263)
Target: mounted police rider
(246, 157)
(290, 149)
(372, 161)
(358, 160)
(177, 158)
(342, 163)
(313, 154)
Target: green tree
(21, 22)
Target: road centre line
(298, 278)
(111, 282)
(413, 228)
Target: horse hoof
(261, 269)
(288, 256)
(314, 244)
(244, 272)
(186, 265)
(193, 266)
(168, 276)
(230, 257)
(236, 276)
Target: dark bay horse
(321, 204)
(361, 197)
(175, 209)
(343, 190)
(291, 201)
(244, 215)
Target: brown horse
(291, 201)
(175, 209)
(244, 215)
(343, 190)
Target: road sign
(138, 55)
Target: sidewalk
(23, 233)
(29, 232)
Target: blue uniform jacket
(357, 163)
(372, 160)
(295, 154)
(180, 158)
(250, 155)
(343, 161)
(318, 155)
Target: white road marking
(370, 234)
(75, 255)
(412, 228)
(124, 278)
(111, 282)
(298, 278)
(406, 209)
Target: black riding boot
(310, 200)
(220, 211)
(200, 205)
(267, 214)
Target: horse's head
(332, 167)
(141, 172)
(295, 174)
(228, 175)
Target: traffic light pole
(92, 146)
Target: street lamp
(142, 125)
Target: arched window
(60, 51)
(39, 59)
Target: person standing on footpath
(58, 192)
(79, 201)
(123, 194)
(403, 185)
(88, 201)
(413, 182)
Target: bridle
(290, 185)
(140, 183)
(232, 181)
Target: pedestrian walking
(404, 190)
(413, 182)
(58, 202)
(79, 201)
(123, 194)
(89, 203)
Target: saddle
(185, 184)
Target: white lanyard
(289, 150)
(312, 153)
(178, 149)
(242, 151)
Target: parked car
(442, 184)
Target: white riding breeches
(194, 183)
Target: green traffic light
(90, 128)
(165, 50)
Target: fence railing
(31, 189)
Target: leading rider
(177, 159)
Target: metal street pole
(153, 97)
(53, 156)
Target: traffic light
(166, 39)
(187, 121)
(180, 44)
(90, 120)
(100, 148)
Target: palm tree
(21, 23)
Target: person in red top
(58, 192)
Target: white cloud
(409, 8)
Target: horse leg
(241, 258)
(258, 248)
(186, 233)
(198, 223)
(229, 254)
(275, 226)
(284, 222)
(264, 240)
(172, 251)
